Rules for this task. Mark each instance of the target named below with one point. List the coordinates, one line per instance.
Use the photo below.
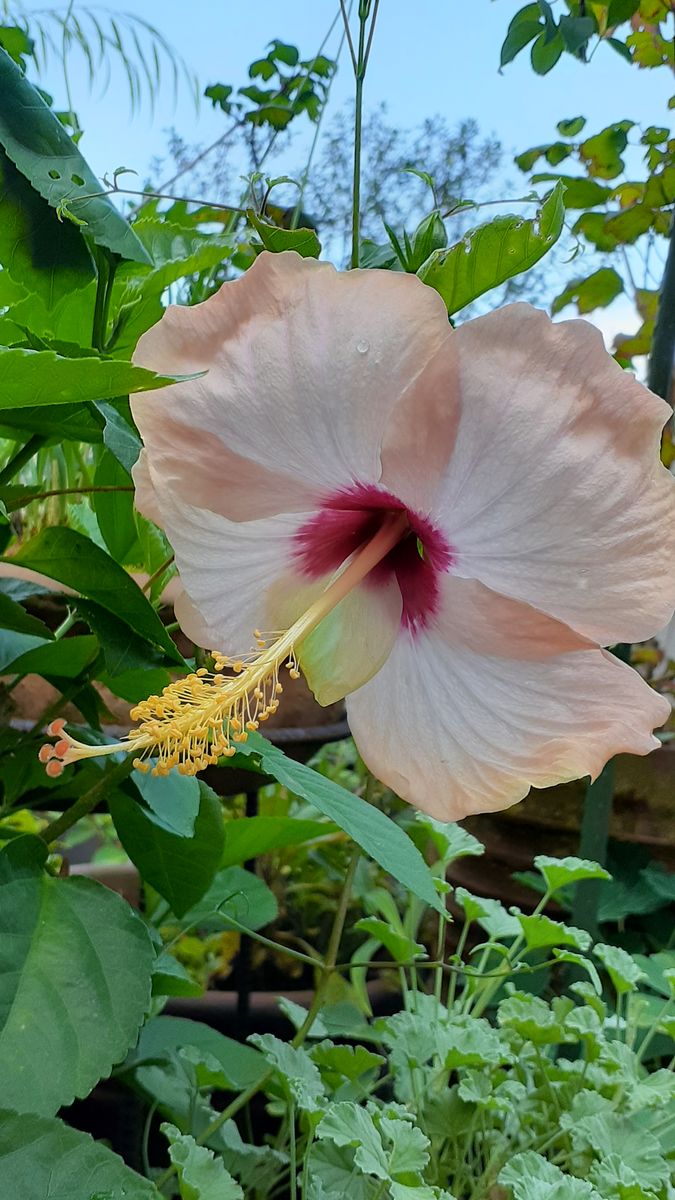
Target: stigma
(204, 716)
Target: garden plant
(238, 472)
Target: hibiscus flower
(446, 525)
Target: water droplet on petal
(363, 347)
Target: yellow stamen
(196, 720)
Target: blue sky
(428, 56)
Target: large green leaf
(594, 291)
(38, 144)
(162, 1037)
(493, 253)
(234, 893)
(176, 250)
(179, 868)
(115, 509)
(247, 837)
(377, 834)
(74, 985)
(66, 658)
(46, 255)
(72, 559)
(43, 1159)
(36, 377)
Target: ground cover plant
(228, 466)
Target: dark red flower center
(351, 517)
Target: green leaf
(490, 914)
(38, 144)
(303, 241)
(593, 226)
(237, 894)
(630, 224)
(621, 967)
(15, 618)
(42, 377)
(66, 658)
(293, 1064)
(377, 834)
(580, 960)
(403, 949)
(179, 868)
(115, 510)
(124, 652)
(75, 984)
(595, 291)
(530, 1176)
(560, 872)
(119, 436)
(545, 52)
(346, 1124)
(162, 1037)
(531, 1018)
(74, 560)
(43, 1159)
(451, 841)
(579, 192)
(249, 837)
(493, 253)
(571, 126)
(175, 250)
(603, 152)
(525, 26)
(201, 1175)
(174, 799)
(577, 32)
(344, 1062)
(170, 978)
(45, 255)
(540, 931)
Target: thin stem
(71, 491)
(348, 35)
(358, 135)
(113, 191)
(147, 586)
(22, 456)
(292, 1152)
(327, 970)
(271, 945)
(106, 264)
(663, 346)
(86, 803)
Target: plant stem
(22, 456)
(87, 802)
(593, 845)
(358, 133)
(106, 264)
(662, 354)
(327, 968)
(147, 586)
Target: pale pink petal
(145, 496)
(238, 577)
(352, 643)
(304, 367)
(228, 571)
(554, 493)
(492, 699)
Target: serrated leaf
(540, 931)
(43, 1159)
(201, 1175)
(621, 967)
(493, 253)
(294, 1065)
(452, 841)
(490, 914)
(175, 250)
(33, 378)
(162, 1037)
(348, 1062)
(347, 1124)
(37, 143)
(75, 984)
(530, 1176)
(170, 978)
(303, 241)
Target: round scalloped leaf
(561, 872)
(74, 986)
